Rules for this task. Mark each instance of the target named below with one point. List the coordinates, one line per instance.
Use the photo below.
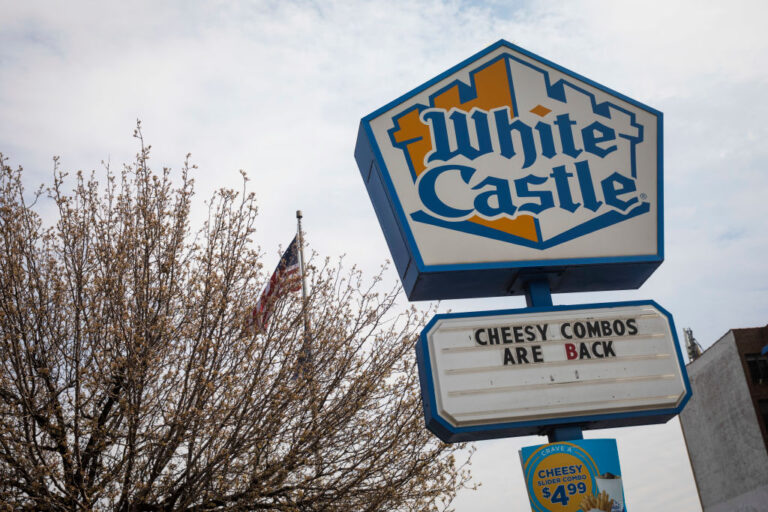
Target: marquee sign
(511, 372)
(508, 163)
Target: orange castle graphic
(493, 89)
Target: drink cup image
(611, 484)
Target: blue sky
(278, 89)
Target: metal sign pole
(538, 294)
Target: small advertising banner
(574, 476)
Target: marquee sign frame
(594, 374)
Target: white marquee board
(600, 365)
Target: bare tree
(131, 380)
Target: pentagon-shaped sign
(509, 165)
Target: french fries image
(599, 502)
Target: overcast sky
(278, 89)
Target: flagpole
(302, 269)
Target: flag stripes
(284, 279)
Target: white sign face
(489, 369)
(511, 158)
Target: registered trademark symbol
(643, 196)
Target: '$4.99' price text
(562, 493)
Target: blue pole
(538, 294)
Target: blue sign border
(451, 434)
(429, 282)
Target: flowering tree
(131, 380)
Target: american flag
(284, 279)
